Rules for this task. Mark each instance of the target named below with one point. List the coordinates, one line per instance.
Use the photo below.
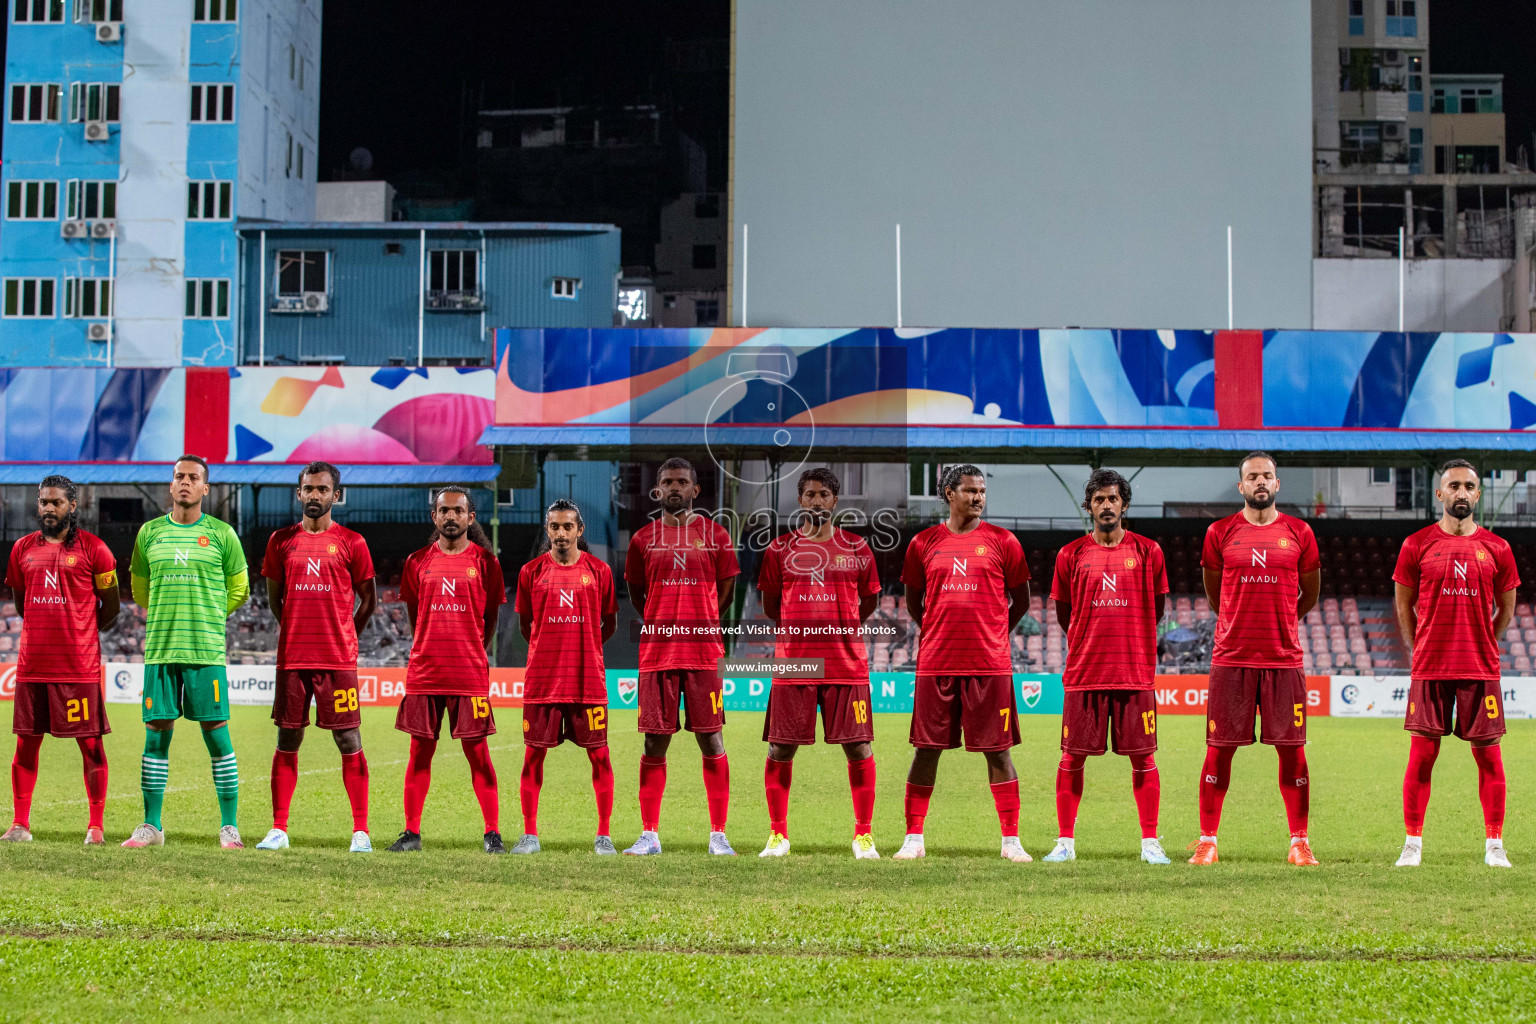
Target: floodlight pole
(1229, 277)
(746, 262)
(898, 275)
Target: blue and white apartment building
(136, 132)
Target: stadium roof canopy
(1151, 446)
(258, 473)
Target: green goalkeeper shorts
(198, 693)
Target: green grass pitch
(314, 933)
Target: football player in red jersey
(815, 578)
(566, 610)
(1109, 589)
(65, 582)
(681, 572)
(1262, 573)
(967, 588)
(1455, 595)
(320, 586)
(453, 590)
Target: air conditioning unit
(1393, 131)
(316, 302)
(96, 131)
(100, 330)
(1391, 58)
(109, 31)
(74, 229)
(103, 229)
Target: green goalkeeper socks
(226, 775)
(153, 771)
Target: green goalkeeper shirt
(188, 578)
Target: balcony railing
(473, 301)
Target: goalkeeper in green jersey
(188, 574)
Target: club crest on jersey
(202, 542)
(1030, 691)
(470, 572)
(1284, 543)
(1481, 555)
(585, 579)
(70, 559)
(330, 549)
(981, 549)
(1130, 563)
(699, 544)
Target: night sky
(1491, 37)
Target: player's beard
(1459, 509)
(314, 510)
(52, 526)
(452, 530)
(674, 504)
(1104, 525)
(1259, 504)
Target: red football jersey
(965, 579)
(1261, 569)
(56, 594)
(1112, 636)
(1459, 580)
(450, 596)
(819, 584)
(317, 574)
(565, 653)
(680, 567)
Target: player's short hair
(1102, 478)
(678, 463)
(565, 505)
(819, 475)
(1256, 455)
(1451, 464)
(189, 457)
(952, 474)
(315, 468)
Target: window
(94, 101)
(1357, 17)
(24, 11)
(923, 479)
(1381, 475)
(293, 71)
(1402, 18)
(215, 10)
(288, 160)
(300, 168)
(98, 10)
(301, 74)
(207, 298)
(707, 207)
(706, 312)
(32, 200)
(29, 296)
(1437, 102)
(300, 271)
(564, 287)
(36, 103)
(703, 257)
(394, 249)
(210, 200)
(88, 297)
(90, 200)
(452, 270)
(213, 103)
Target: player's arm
(14, 578)
(725, 590)
(368, 602)
(1405, 600)
(1504, 614)
(1212, 580)
(915, 605)
(1018, 598)
(1064, 611)
(108, 601)
(867, 605)
(610, 625)
(275, 599)
(138, 571)
(237, 589)
(488, 631)
(1159, 603)
(1311, 583)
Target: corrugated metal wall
(374, 292)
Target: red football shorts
(469, 718)
(1473, 709)
(1279, 694)
(980, 706)
(334, 691)
(701, 693)
(549, 725)
(1089, 717)
(66, 710)
(791, 718)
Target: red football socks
(528, 787)
(776, 780)
(1147, 788)
(285, 776)
(861, 781)
(717, 790)
(653, 783)
(1490, 788)
(1005, 796)
(602, 787)
(917, 807)
(24, 778)
(1214, 778)
(482, 776)
(1422, 751)
(418, 779)
(1295, 788)
(1069, 792)
(94, 760)
(354, 779)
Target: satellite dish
(360, 159)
